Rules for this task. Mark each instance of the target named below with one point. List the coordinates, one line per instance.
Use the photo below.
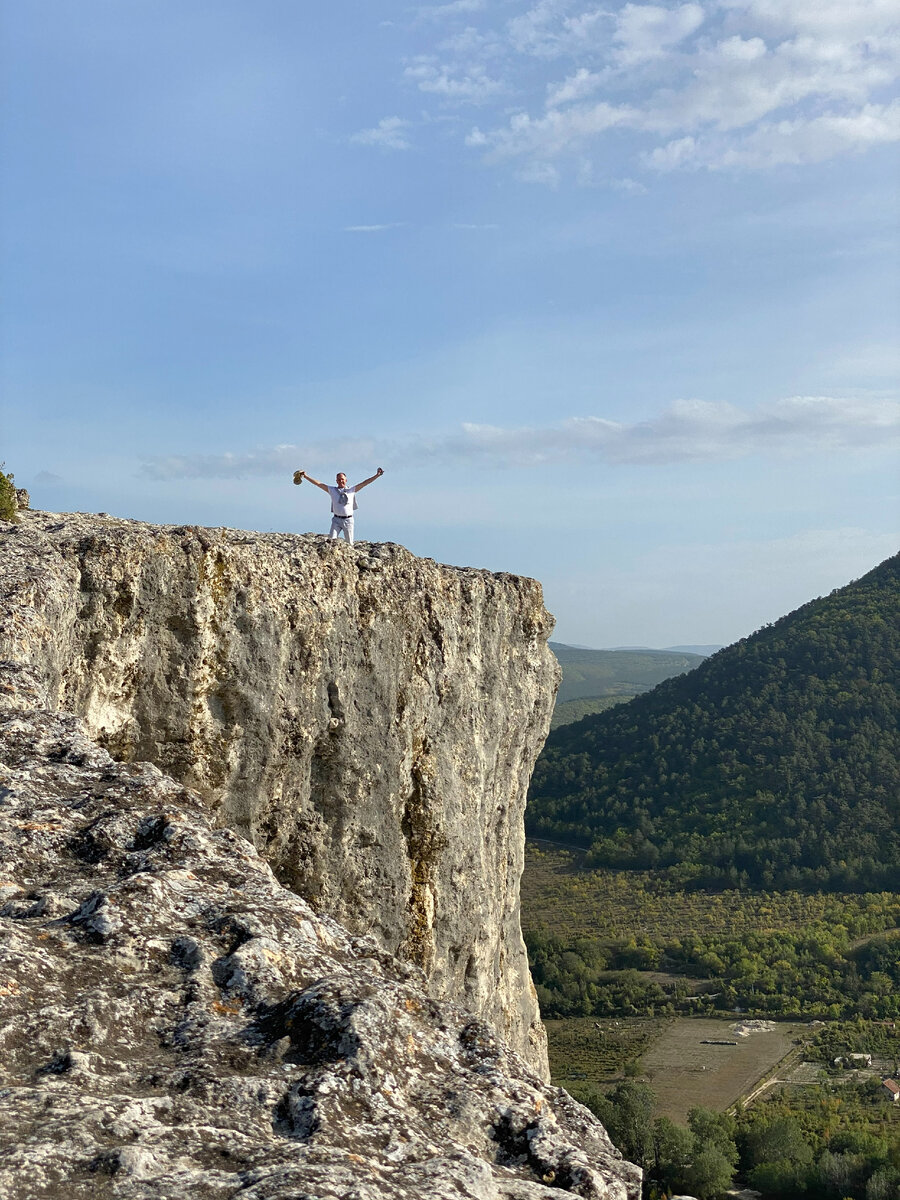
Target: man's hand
(365, 483)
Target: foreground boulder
(175, 1023)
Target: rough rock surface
(176, 1024)
(368, 719)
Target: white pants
(342, 525)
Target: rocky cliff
(175, 1024)
(367, 719)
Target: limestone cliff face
(176, 1025)
(368, 719)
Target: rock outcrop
(176, 1025)
(369, 720)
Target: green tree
(781, 1178)
(884, 1184)
(673, 1147)
(630, 1121)
(838, 1175)
(710, 1172)
(778, 1140)
(715, 1153)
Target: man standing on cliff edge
(343, 500)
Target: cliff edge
(369, 720)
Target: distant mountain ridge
(594, 680)
(774, 763)
(616, 672)
(706, 651)
(703, 651)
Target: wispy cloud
(391, 133)
(462, 85)
(374, 228)
(784, 142)
(456, 8)
(645, 31)
(690, 431)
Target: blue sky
(611, 292)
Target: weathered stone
(368, 719)
(176, 1025)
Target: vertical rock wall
(367, 718)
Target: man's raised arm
(306, 475)
(365, 483)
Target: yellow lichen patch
(229, 1008)
(9, 989)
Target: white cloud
(780, 143)
(547, 30)
(820, 18)
(539, 172)
(557, 132)
(579, 86)
(467, 85)
(690, 431)
(457, 8)
(389, 134)
(631, 187)
(646, 31)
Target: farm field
(592, 1051)
(670, 1055)
(683, 1071)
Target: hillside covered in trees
(774, 764)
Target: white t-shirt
(343, 500)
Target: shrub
(8, 505)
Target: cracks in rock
(424, 844)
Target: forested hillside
(775, 763)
